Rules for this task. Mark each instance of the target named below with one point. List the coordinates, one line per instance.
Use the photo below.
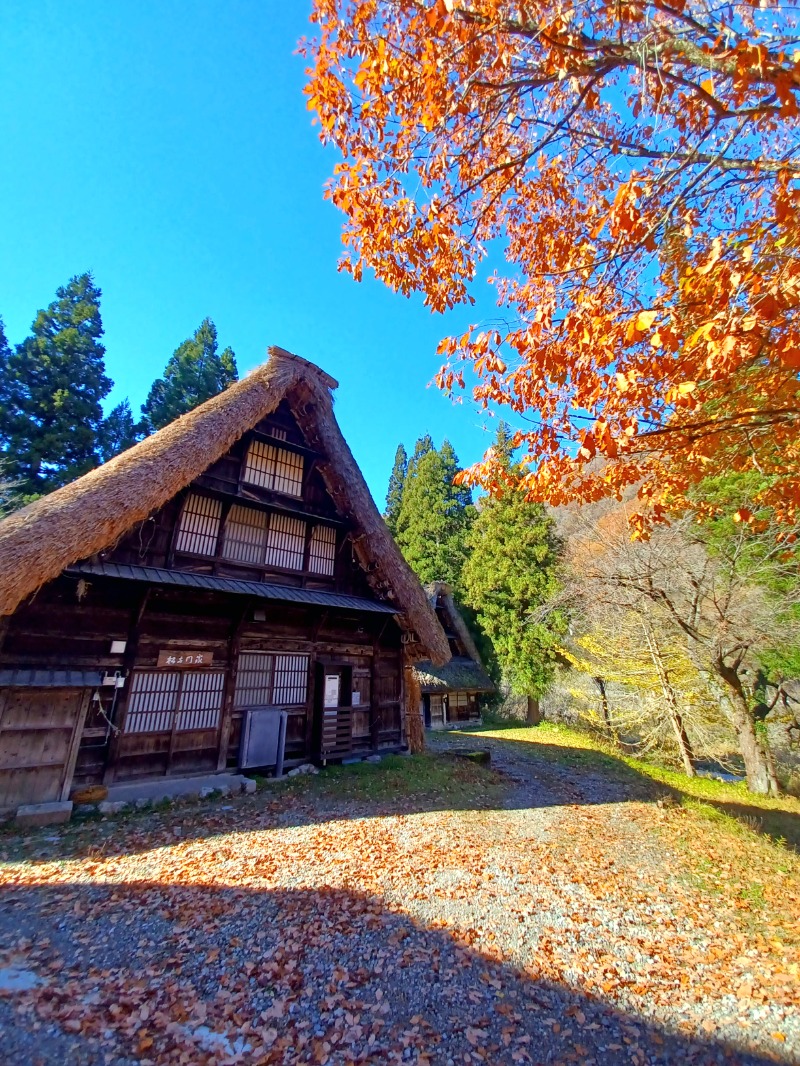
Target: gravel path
(548, 922)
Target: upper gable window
(274, 468)
(198, 526)
(322, 550)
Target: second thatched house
(224, 583)
(451, 692)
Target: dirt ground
(420, 910)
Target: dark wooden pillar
(374, 709)
(234, 644)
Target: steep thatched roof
(38, 542)
(462, 673)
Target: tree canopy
(196, 371)
(511, 571)
(434, 514)
(638, 165)
(51, 388)
(394, 494)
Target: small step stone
(33, 814)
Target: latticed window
(322, 553)
(265, 679)
(286, 541)
(198, 527)
(161, 700)
(245, 535)
(275, 468)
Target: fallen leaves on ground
(286, 929)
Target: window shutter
(198, 526)
(245, 535)
(286, 539)
(322, 555)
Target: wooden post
(311, 695)
(414, 730)
(374, 709)
(234, 643)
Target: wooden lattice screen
(198, 528)
(274, 468)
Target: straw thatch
(462, 673)
(459, 675)
(38, 542)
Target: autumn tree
(394, 494)
(196, 371)
(728, 612)
(510, 572)
(435, 514)
(639, 653)
(637, 164)
(51, 391)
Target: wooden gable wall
(157, 541)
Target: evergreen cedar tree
(512, 559)
(51, 388)
(195, 372)
(639, 164)
(52, 385)
(118, 432)
(435, 515)
(394, 494)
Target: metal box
(263, 739)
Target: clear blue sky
(165, 145)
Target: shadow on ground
(522, 776)
(589, 764)
(145, 972)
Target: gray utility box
(263, 739)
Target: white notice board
(332, 690)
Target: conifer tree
(194, 373)
(118, 431)
(510, 571)
(421, 448)
(394, 495)
(435, 515)
(51, 388)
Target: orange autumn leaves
(637, 165)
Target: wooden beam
(234, 644)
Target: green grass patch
(744, 811)
(436, 779)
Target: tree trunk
(534, 715)
(601, 687)
(414, 729)
(756, 762)
(673, 709)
